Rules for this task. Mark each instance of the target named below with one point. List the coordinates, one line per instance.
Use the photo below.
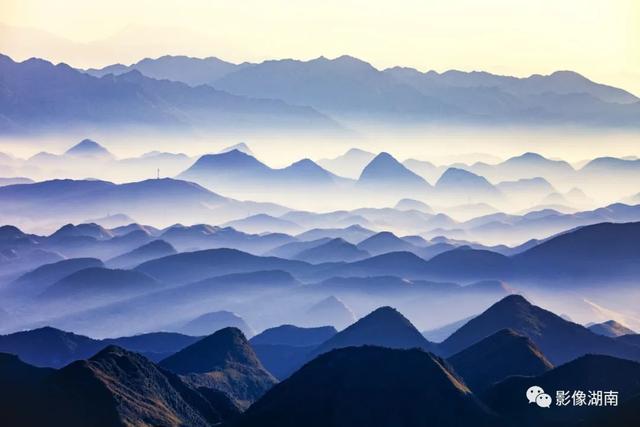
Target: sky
(597, 38)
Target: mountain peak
(229, 160)
(241, 146)
(558, 339)
(510, 354)
(88, 148)
(225, 347)
(384, 169)
(307, 165)
(10, 232)
(459, 176)
(379, 386)
(610, 328)
(384, 327)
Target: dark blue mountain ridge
(558, 339)
(376, 387)
(294, 335)
(113, 387)
(385, 327)
(510, 354)
(51, 347)
(588, 372)
(43, 96)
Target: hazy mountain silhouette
(459, 185)
(349, 164)
(384, 327)
(126, 229)
(291, 249)
(114, 387)
(82, 230)
(335, 250)
(191, 266)
(284, 349)
(441, 333)
(410, 204)
(224, 361)
(226, 165)
(237, 170)
(607, 165)
(559, 340)
(263, 223)
(349, 86)
(610, 328)
(385, 242)
(400, 264)
(143, 200)
(88, 148)
(526, 189)
(133, 315)
(497, 357)
(527, 165)
(384, 171)
(153, 345)
(209, 323)
(149, 251)
(47, 97)
(51, 347)
(100, 283)
(330, 311)
(294, 335)
(352, 234)
(596, 251)
(560, 96)
(241, 146)
(38, 280)
(370, 386)
(342, 85)
(202, 236)
(464, 263)
(192, 71)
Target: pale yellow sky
(598, 38)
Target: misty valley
(214, 308)
(330, 279)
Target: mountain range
(510, 354)
(587, 373)
(223, 361)
(54, 348)
(40, 96)
(189, 93)
(370, 386)
(347, 86)
(114, 387)
(559, 340)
